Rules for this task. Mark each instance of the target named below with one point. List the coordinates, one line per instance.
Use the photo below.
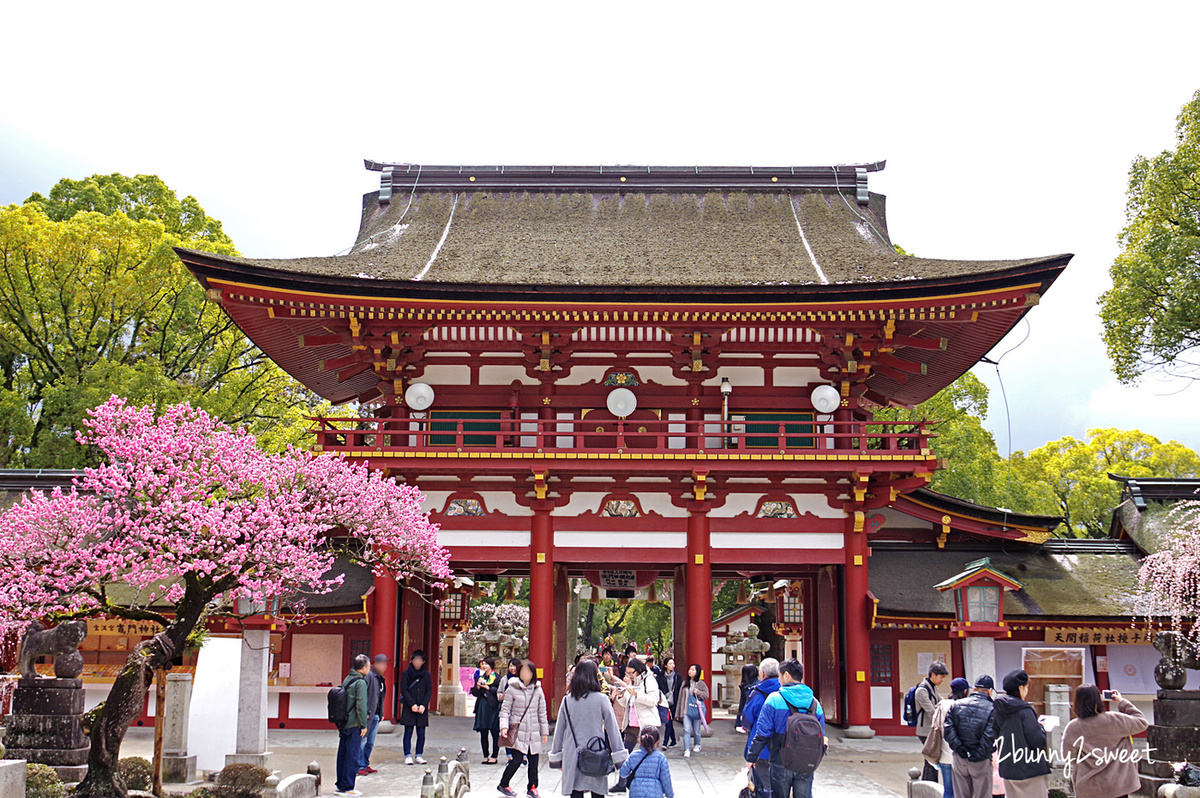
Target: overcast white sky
(1008, 128)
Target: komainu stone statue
(46, 721)
(62, 641)
(1178, 655)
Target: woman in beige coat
(1097, 744)
(525, 706)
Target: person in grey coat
(585, 713)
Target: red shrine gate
(594, 368)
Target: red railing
(618, 436)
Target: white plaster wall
(435, 500)
(503, 375)
(436, 375)
(816, 504)
(478, 537)
(581, 503)
(881, 702)
(772, 540)
(504, 501)
(660, 503)
(795, 376)
(581, 374)
(735, 504)
(739, 376)
(639, 539)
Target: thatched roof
(1082, 584)
(732, 238)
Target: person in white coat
(525, 708)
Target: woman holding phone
(1099, 746)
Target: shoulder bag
(595, 758)
(509, 738)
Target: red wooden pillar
(383, 631)
(857, 631)
(433, 645)
(679, 595)
(564, 642)
(699, 594)
(541, 594)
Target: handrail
(619, 435)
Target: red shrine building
(635, 373)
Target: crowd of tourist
(619, 712)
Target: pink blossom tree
(1170, 577)
(186, 517)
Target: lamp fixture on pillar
(726, 389)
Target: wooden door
(829, 678)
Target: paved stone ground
(867, 768)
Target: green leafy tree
(1151, 314)
(95, 303)
(141, 198)
(1074, 473)
(973, 468)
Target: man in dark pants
(970, 731)
(770, 730)
(352, 732)
(376, 700)
(927, 698)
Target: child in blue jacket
(646, 771)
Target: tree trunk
(112, 718)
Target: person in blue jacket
(771, 727)
(768, 682)
(646, 770)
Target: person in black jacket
(970, 731)
(416, 689)
(376, 704)
(669, 682)
(1020, 741)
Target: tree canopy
(1072, 475)
(1151, 314)
(94, 302)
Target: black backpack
(338, 701)
(803, 743)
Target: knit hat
(985, 682)
(1013, 681)
(959, 685)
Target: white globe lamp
(621, 402)
(826, 399)
(419, 396)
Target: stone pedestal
(1174, 737)
(45, 726)
(979, 658)
(12, 778)
(1058, 704)
(452, 700)
(178, 767)
(252, 700)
